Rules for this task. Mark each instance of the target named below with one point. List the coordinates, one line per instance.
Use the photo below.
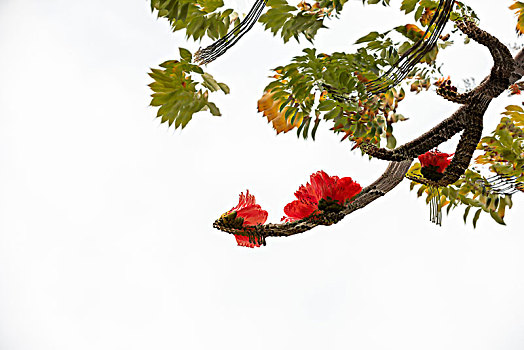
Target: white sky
(105, 215)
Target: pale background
(105, 215)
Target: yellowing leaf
(518, 6)
(271, 110)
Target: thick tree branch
(467, 119)
(475, 102)
(393, 175)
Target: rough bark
(468, 119)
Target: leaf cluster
(423, 10)
(304, 19)
(321, 86)
(181, 89)
(503, 150)
(471, 191)
(332, 87)
(199, 18)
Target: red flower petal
(244, 201)
(298, 209)
(306, 194)
(251, 213)
(243, 241)
(321, 186)
(247, 209)
(346, 189)
(435, 158)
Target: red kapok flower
(245, 213)
(434, 163)
(330, 191)
(435, 158)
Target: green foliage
(317, 86)
(335, 84)
(300, 83)
(409, 5)
(464, 12)
(503, 150)
(199, 18)
(298, 88)
(178, 94)
(332, 87)
(390, 50)
(303, 19)
(424, 9)
(470, 191)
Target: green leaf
(185, 54)
(326, 105)
(175, 91)
(391, 141)
(210, 82)
(476, 217)
(182, 16)
(211, 5)
(369, 37)
(466, 212)
(408, 5)
(314, 131)
(213, 109)
(496, 217)
(224, 88)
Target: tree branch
(468, 118)
(393, 175)
(475, 102)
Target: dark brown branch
(458, 98)
(503, 63)
(393, 175)
(468, 118)
(518, 71)
(470, 112)
(467, 144)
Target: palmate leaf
(181, 89)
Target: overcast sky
(105, 214)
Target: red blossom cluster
(321, 187)
(250, 214)
(322, 193)
(436, 159)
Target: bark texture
(468, 119)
